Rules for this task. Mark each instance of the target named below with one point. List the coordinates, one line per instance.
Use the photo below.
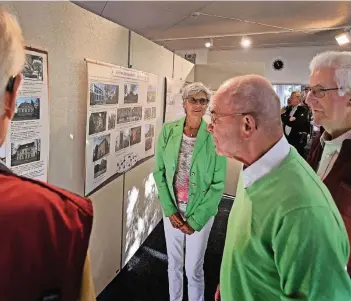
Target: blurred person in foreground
(285, 237)
(296, 123)
(45, 230)
(330, 100)
(190, 179)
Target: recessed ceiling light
(245, 42)
(209, 43)
(343, 38)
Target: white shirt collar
(266, 163)
(335, 144)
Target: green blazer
(207, 174)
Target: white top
(331, 150)
(266, 163)
(288, 128)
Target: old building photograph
(25, 152)
(131, 93)
(102, 94)
(111, 120)
(151, 93)
(100, 168)
(147, 114)
(27, 108)
(33, 67)
(135, 135)
(101, 147)
(97, 122)
(149, 135)
(122, 139)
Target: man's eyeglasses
(202, 101)
(214, 117)
(318, 91)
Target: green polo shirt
(285, 240)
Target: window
(284, 92)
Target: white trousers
(195, 247)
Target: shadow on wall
(142, 215)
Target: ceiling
(180, 25)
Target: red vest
(338, 180)
(43, 242)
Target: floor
(145, 277)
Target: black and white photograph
(131, 93)
(127, 162)
(23, 153)
(125, 115)
(135, 135)
(3, 154)
(101, 147)
(153, 115)
(151, 93)
(111, 120)
(27, 108)
(97, 122)
(147, 114)
(33, 67)
(149, 135)
(122, 139)
(103, 94)
(100, 167)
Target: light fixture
(245, 42)
(209, 43)
(343, 38)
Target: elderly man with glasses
(330, 100)
(285, 236)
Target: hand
(218, 294)
(176, 220)
(292, 118)
(186, 229)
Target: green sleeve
(160, 176)
(311, 252)
(209, 204)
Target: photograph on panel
(25, 152)
(33, 67)
(27, 108)
(122, 139)
(147, 114)
(97, 122)
(100, 167)
(149, 135)
(127, 162)
(153, 115)
(111, 120)
(3, 154)
(151, 93)
(103, 94)
(129, 114)
(135, 135)
(137, 113)
(101, 147)
(131, 93)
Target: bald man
(285, 238)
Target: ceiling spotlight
(343, 38)
(246, 42)
(209, 43)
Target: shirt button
(193, 173)
(193, 185)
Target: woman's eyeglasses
(202, 101)
(318, 91)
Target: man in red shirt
(44, 230)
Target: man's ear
(10, 97)
(249, 125)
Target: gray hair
(341, 62)
(12, 55)
(195, 88)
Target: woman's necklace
(191, 131)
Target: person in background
(296, 123)
(190, 179)
(330, 100)
(45, 230)
(285, 237)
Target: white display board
(26, 149)
(174, 102)
(121, 121)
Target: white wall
(201, 54)
(296, 61)
(70, 34)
